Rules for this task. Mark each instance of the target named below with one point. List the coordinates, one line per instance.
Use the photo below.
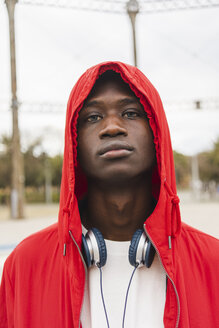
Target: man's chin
(118, 177)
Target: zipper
(85, 269)
(177, 296)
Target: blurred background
(45, 45)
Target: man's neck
(118, 212)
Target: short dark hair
(107, 76)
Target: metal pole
(132, 10)
(17, 192)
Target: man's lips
(115, 150)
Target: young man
(118, 177)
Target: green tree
(34, 166)
(5, 162)
(182, 169)
(56, 167)
(209, 164)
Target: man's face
(115, 141)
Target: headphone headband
(141, 251)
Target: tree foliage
(56, 169)
(182, 169)
(209, 164)
(35, 166)
(5, 162)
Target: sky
(178, 51)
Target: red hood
(165, 221)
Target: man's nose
(112, 127)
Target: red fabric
(42, 288)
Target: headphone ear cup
(86, 252)
(134, 246)
(101, 246)
(141, 250)
(149, 255)
(94, 248)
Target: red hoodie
(44, 277)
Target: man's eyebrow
(120, 102)
(92, 103)
(128, 101)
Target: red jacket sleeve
(6, 301)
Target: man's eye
(93, 118)
(131, 114)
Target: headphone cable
(126, 298)
(101, 289)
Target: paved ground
(202, 215)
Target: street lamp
(132, 10)
(17, 192)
